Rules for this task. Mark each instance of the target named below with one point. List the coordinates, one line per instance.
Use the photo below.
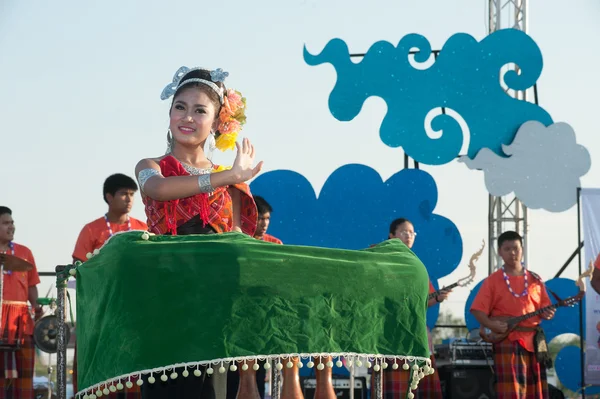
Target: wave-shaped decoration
(465, 76)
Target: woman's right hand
(242, 169)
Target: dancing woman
(185, 193)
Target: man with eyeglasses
(396, 382)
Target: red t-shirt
(94, 235)
(270, 238)
(16, 284)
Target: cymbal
(14, 264)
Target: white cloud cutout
(543, 168)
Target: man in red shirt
(17, 367)
(514, 291)
(119, 192)
(264, 218)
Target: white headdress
(217, 75)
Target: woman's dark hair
(397, 223)
(205, 75)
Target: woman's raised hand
(243, 169)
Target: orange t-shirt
(431, 288)
(94, 235)
(16, 284)
(494, 299)
(270, 238)
(597, 262)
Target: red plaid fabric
(127, 393)
(396, 385)
(518, 373)
(22, 386)
(396, 382)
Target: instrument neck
(434, 294)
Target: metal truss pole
(507, 212)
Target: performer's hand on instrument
(548, 314)
(443, 295)
(242, 168)
(498, 326)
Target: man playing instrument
(16, 324)
(396, 382)
(119, 191)
(514, 291)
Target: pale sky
(82, 82)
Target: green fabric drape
(144, 304)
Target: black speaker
(341, 386)
(461, 382)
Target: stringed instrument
(513, 321)
(463, 282)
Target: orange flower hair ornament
(231, 120)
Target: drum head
(45, 334)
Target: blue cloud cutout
(354, 210)
(565, 321)
(465, 78)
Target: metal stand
(275, 383)
(378, 382)
(581, 318)
(352, 381)
(61, 352)
(50, 370)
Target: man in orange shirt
(16, 326)
(514, 291)
(119, 191)
(264, 218)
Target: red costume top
(215, 209)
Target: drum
(177, 307)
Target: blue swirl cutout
(465, 77)
(354, 210)
(565, 321)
